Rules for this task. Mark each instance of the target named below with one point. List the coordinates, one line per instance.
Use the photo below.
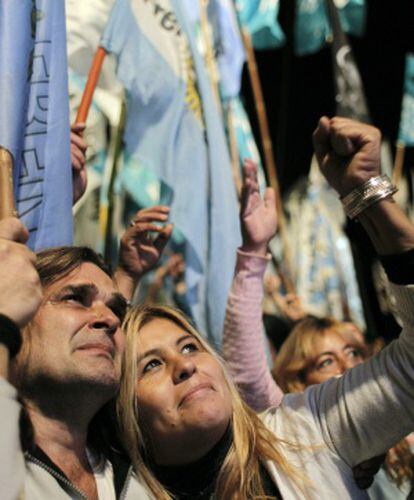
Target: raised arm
(20, 292)
(371, 407)
(243, 337)
(20, 296)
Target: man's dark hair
(56, 263)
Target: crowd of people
(101, 399)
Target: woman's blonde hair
(298, 351)
(239, 477)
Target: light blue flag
(34, 116)
(312, 27)
(174, 129)
(260, 19)
(406, 131)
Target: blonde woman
(188, 433)
(316, 350)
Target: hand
(258, 216)
(176, 266)
(78, 147)
(348, 152)
(139, 252)
(20, 289)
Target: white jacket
(339, 424)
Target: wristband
(362, 197)
(10, 335)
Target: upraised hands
(348, 152)
(78, 147)
(257, 215)
(139, 249)
(20, 290)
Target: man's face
(75, 337)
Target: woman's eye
(151, 365)
(354, 353)
(325, 363)
(191, 347)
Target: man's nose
(104, 319)
(184, 368)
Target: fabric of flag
(350, 94)
(228, 46)
(34, 116)
(312, 27)
(174, 128)
(230, 57)
(406, 131)
(260, 19)
(321, 253)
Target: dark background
(298, 90)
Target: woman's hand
(139, 250)
(258, 216)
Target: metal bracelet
(362, 197)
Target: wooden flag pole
(267, 146)
(91, 83)
(398, 163)
(7, 206)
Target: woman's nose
(184, 368)
(345, 363)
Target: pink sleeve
(243, 337)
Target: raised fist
(348, 152)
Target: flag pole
(398, 163)
(91, 83)
(7, 206)
(269, 162)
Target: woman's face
(333, 356)
(183, 399)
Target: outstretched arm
(243, 337)
(371, 407)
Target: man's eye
(75, 297)
(120, 311)
(190, 347)
(151, 365)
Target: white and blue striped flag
(175, 129)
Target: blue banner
(34, 116)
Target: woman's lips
(195, 392)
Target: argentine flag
(175, 129)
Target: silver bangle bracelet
(362, 197)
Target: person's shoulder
(7, 390)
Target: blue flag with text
(34, 116)
(174, 128)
